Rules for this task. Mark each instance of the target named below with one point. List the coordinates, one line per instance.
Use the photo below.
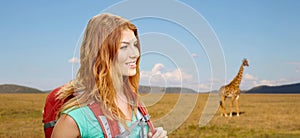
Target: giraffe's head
(245, 62)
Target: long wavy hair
(98, 76)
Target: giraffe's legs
(220, 108)
(231, 104)
(223, 109)
(237, 106)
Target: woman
(108, 76)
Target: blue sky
(38, 38)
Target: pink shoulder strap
(146, 117)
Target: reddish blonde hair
(98, 54)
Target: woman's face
(128, 53)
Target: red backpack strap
(109, 127)
(146, 116)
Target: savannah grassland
(262, 116)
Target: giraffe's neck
(238, 78)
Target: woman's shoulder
(86, 121)
(65, 127)
(83, 115)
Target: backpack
(111, 128)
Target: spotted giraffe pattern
(232, 90)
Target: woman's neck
(123, 104)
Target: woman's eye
(136, 44)
(123, 47)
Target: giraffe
(232, 90)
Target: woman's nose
(134, 52)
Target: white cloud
(271, 82)
(205, 87)
(160, 76)
(249, 77)
(266, 82)
(73, 60)
(158, 68)
(194, 55)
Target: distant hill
(156, 89)
(12, 88)
(283, 89)
(289, 89)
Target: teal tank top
(89, 126)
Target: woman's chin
(129, 73)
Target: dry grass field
(262, 116)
